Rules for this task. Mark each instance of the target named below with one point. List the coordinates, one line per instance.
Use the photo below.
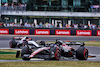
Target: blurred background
(70, 14)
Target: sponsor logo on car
(62, 32)
(4, 31)
(42, 32)
(21, 31)
(83, 32)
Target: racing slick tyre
(82, 53)
(25, 50)
(55, 54)
(12, 44)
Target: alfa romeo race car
(53, 51)
(18, 42)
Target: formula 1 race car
(53, 51)
(18, 42)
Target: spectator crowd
(49, 25)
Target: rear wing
(19, 38)
(75, 43)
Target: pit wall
(50, 32)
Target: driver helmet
(26, 37)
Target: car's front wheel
(27, 52)
(55, 54)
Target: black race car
(54, 51)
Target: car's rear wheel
(12, 44)
(26, 51)
(82, 53)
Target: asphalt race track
(53, 37)
(93, 50)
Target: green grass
(92, 43)
(3, 52)
(8, 50)
(50, 64)
(8, 54)
(8, 57)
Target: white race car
(18, 42)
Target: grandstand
(56, 12)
